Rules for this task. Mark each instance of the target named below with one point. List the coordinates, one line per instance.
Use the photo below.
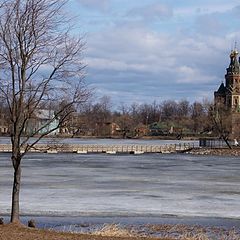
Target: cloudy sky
(141, 51)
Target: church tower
(232, 78)
(228, 95)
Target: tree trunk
(226, 141)
(15, 194)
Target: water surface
(124, 185)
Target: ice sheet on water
(125, 185)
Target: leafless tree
(183, 109)
(125, 120)
(197, 116)
(169, 110)
(221, 119)
(41, 64)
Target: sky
(156, 50)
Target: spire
(234, 66)
(221, 89)
(235, 45)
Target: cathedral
(228, 95)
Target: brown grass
(184, 232)
(18, 232)
(116, 232)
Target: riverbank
(116, 232)
(18, 232)
(235, 151)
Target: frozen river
(124, 185)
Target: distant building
(108, 129)
(115, 129)
(228, 94)
(3, 129)
(141, 130)
(4, 122)
(44, 121)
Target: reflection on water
(125, 185)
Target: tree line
(152, 119)
(100, 119)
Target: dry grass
(178, 232)
(184, 232)
(18, 232)
(117, 232)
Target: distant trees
(125, 121)
(169, 110)
(98, 118)
(4, 114)
(221, 118)
(41, 67)
(181, 116)
(198, 116)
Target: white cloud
(109, 64)
(156, 11)
(205, 8)
(209, 24)
(236, 11)
(149, 61)
(155, 52)
(191, 75)
(101, 5)
(129, 50)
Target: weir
(108, 149)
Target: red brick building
(228, 95)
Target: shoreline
(44, 221)
(235, 151)
(92, 228)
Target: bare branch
(41, 65)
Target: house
(4, 122)
(141, 130)
(155, 129)
(44, 121)
(3, 129)
(115, 129)
(107, 129)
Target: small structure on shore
(213, 143)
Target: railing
(110, 149)
(214, 143)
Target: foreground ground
(16, 232)
(176, 232)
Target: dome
(234, 53)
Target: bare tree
(169, 110)
(221, 119)
(41, 64)
(197, 116)
(125, 120)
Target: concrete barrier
(138, 152)
(82, 152)
(111, 152)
